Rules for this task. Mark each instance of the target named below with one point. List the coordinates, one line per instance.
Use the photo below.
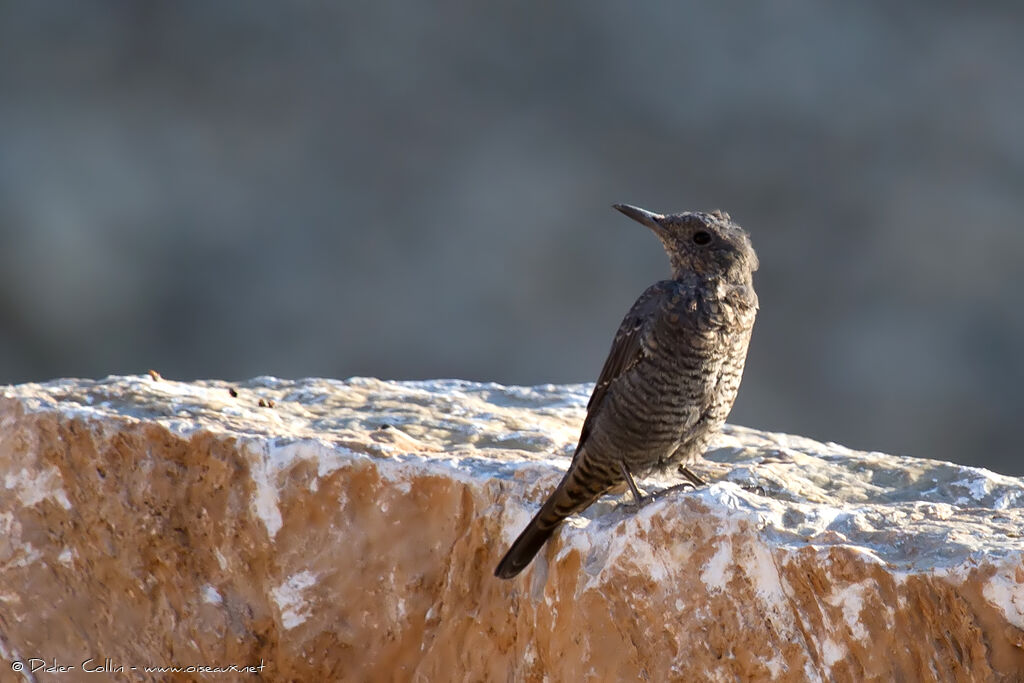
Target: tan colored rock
(349, 531)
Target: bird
(671, 376)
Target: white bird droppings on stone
(765, 576)
(290, 600)
(1008, 596)
(851, 600)
(32, 488)
(264, 499)
(831, 652)
(717, 572)
(211, 596)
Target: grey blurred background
(401, 190)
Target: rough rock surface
(349, 532)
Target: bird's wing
(628, 347)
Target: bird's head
(705, 244)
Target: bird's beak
(651, 220)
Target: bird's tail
(526, 546)
(577, 490)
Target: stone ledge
(349, 531)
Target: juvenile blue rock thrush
(671, 376)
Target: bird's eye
(701, 237)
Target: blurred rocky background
(409, 191)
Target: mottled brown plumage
(671, 376)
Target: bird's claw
(636, 504)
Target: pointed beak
(651, 220)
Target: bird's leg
(694, 479)
(629, 480)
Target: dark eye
(701, 237)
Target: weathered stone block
(349, 530)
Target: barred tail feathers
(580, 487)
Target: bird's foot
(678, 487)
(635, 504)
